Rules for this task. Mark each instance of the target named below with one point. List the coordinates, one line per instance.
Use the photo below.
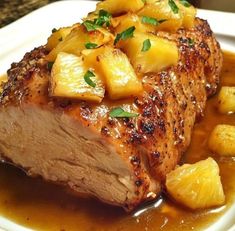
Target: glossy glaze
(36, 204)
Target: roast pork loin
(121, 161)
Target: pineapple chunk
(91, 58)
(67, 79)
(227, 100)
(75, 42)
(189, 14)
(116, 7)
(196, 186)
(126, 21)
(162, 53)
(222, 140)
(57, 36)
(161, 10)
(120, 78)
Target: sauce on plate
(43, 206)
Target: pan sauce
(43, 206)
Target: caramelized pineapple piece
(120, 78)
(75, 42)
(161, 10)
(57, 36)
(121, 6)
(189, 14)
(222, 140)
(128, 20)
(91, 58)
(161, 54)
(68, 80)
(227, 100)
(196, 186)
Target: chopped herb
(60, 39)
(90, 45)
(190, 42)
(103, 19)
(129, 33)
(173, 6)
(185, 3)
(49, 65)
(146, 45)
(118, 112)
(90, 25)
(149, 20)
(144, 1)
(152, 21)
(162, 20)
(54, 30)
(87, 78)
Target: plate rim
(223, 30)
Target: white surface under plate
(32, 31)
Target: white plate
(32, 31)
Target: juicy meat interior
(120, 161)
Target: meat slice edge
(52, 145)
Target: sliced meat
(120, 161)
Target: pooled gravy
(43, 206)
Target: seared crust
(173, 99)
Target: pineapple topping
(70, 78)
(114, 47)
(197, 186)
(222, 140)
(119, 74)
(227, 100)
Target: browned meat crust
(173, 99)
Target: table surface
(14, 9)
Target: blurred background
(10, 10)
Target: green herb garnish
(185, 3)
(144, 1)
(54, 30)
(90, 25)
(49, 65)
(87, 78)
(173, 6)
(149, 20)
(129, 33)
(152, 21)
(162, 20)
(90, 45)
(103, 19)
(118, 112)
(190, 42)
(146, 45)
